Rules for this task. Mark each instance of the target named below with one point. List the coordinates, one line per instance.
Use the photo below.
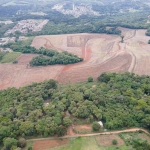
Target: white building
(100, 123)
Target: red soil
(47, 144)
(101, 53)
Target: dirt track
(101, 53)
(93, 134)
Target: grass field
(10, 57)
(88, 143)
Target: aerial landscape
(75, 75)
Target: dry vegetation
(101, 53)
(106, 140)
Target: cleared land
(47, 144)
(101, 53)
(83, 128)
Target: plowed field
(101, 53)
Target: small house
(100, 123)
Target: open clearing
(47, 144)
(101, 53)
(82, 129)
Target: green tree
(90, 79)
(96, 126)
(66, 121)
(114, 142)
(27, 128)
(22, 142)
(9, 143)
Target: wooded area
(46, 109)
(47, 56)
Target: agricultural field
(101, 53)
(10, 57)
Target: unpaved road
(93, 134)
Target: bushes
(22, 142)
(114, 142)
(10, 142)
(47, 57)
(95, 126)
(90, 79)
(30, 148)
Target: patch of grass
(84, 143)
(10, 57)
(28, 41)
(88, 143)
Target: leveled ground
(101, 53)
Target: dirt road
(93, 134)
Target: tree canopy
(118, 100)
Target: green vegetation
(81, 143)
(90, 79)
(52, 56)
(2, 54)
(114, 142)
(10, 57)
(88, 143)
(139, 141)
(22, 142)
(119, 100)
(5, 27)
(96, 126)
(60, 58)
(10, 143)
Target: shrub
(10, 142)
(95, 126)
(30, 148)
(114, 142)
(15, 62)
(22, 142)
(90, 79)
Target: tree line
(47, 56)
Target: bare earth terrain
(101, 53)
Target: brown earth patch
(106, 140)
(47, 144)
(101, 53)
(83, 128)
(25, 58)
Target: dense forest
(48, 108)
